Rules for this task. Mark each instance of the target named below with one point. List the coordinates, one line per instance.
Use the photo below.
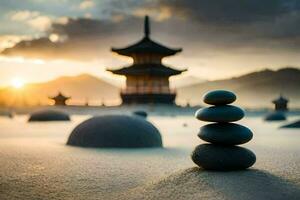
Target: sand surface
(35, 163)
(194, 183)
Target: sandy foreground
(194, 183)
(35, 163)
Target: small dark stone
(276, 116)
(48, 115)
(115, 131)
(140, 113)
(225, 113)
(225, 133)
(219, 97)
(223, 158)
(292, 125)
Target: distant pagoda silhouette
(60, 99)
(281, 103)
(147, 79)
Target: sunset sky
(41, 40)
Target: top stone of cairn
(219, 97)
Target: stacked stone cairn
(221, 153)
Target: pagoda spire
(147, 26)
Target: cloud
(8, 41)
(246, 18)
(62, 20)
(86, 4)
(79, 39)
(204, 27)
(226, 12)
(28, 48)
(23, 15)
(159, 14)
(252, 25)
(32, 18)
(41, 23)
(93, 28)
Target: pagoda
(147, 79)
(60, 99)
(281, 103)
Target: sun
(17, 83)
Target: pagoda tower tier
(147, 79)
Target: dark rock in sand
(276, 116)
(223, 158)
(219, 97)
(48, 115)
(141, 113)
(225, 133)
(119, 131)
(225, 113)
(292, 125)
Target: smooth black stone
(141, 113)
(115, 131)
(225, 113)
(225, 133)
(48, 115)
(219, 97)
(223, 158)
(292, 125)
(276, 116)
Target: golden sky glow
(225, 66)
(17, 82)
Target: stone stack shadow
(221, 153)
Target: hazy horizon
(86, 88)
(119, 81)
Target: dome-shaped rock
(225, 133)
(119, 131)
(48, 115)
(141, 113)
(223, 158)
(276, 116)
(224, 113)
(292, 125)
(219, 97)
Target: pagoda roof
(60, 96)
(280, 100)
(147, 69)
(146, 45)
